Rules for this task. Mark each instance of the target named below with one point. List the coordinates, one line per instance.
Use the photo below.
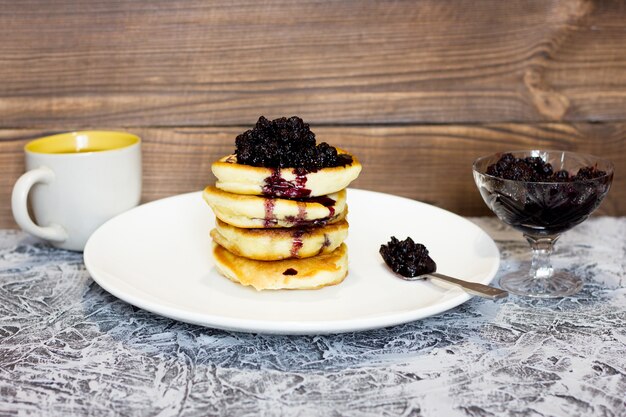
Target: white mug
(76, 181)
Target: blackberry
(519, 172)
(561, 176)
(286, 143)
(548, 202)
(588, 173)
(535, 169)
(407, 258)
(539, 166)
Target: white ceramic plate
(157, 257)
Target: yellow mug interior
(82, 142)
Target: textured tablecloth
(69, 348)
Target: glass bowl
(542, 211)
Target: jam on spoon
(407, 258)
(411, 262)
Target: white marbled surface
(68, 348)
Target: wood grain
(416, 89)
(71, 63)
(427, 163)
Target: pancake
(287, 182)
(249, 211)
(303, 274)
(282, 243)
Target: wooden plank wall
(417, 89)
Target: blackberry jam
(286, 143)
(531, 195)
(277, 186)
(542, 194)
(407, 258)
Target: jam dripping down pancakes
(280, 207)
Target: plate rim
(285, 327)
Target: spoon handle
(475, 288)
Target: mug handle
(19, 199)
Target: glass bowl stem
(541, 265)
(541, 280)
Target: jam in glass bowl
(542, 194)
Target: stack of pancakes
(280, 228)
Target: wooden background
(416, 89)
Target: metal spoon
(475, 288)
